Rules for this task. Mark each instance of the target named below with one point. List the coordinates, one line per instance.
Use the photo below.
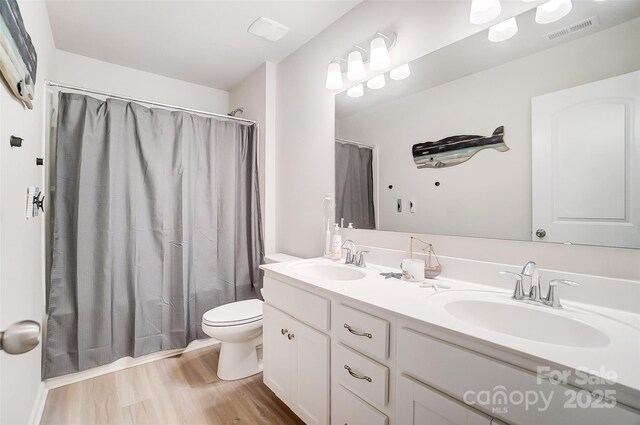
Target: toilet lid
(236, 313)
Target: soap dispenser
(336, 243)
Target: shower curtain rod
(148, 102)
(351, 142)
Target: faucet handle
(518, 292)
(553, 300)
(350, 257)
(360, 258)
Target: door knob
(20, 337)
(541, 233)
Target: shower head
(235, 111)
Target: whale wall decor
(18, 58)
(455, 150)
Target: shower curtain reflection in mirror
(157, 220)
(355, 184)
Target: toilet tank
(279, 258)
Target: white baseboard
(38, 405)
(124, 363)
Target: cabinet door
(310, 382)
(419, 404)
(277, 352)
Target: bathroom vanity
(344, 345)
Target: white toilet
(238, 326)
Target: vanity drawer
(351, 410)
(364, 332)
(309, 308)
(466, 375)
(366, 378)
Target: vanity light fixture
(334, 76)
(552, 11)
(355, 66)
(483, 11)
(400, 73)
(377, 82)
(377, 58)
(504, 30)
(378, 53)
(356, 91)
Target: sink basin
(536, 323)
(329, 271)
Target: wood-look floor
(178, 390)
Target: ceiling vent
(268, 29)
(573, 28)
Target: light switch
(399, 205)
(412, 206)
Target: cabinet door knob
(290, 336)
(283, 331)
(541, 233)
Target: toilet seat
(234, 314)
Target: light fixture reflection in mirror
(376, 82)
(379, 56)
(552, 11)
(334, 76)
(355, 67)
(483, 11)
(400, 73)
(504, 30)
(355, 91)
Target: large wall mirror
(533, 138)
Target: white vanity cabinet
(418, 404)
(361, 365)
(335, 359)
(296, 364)
(465, 374)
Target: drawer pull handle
(355, 375)
(357, 333)
(283, 331)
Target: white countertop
(407, 299)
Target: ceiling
(476, 53)
(204, 42)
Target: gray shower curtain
(354, 185)
(157, 220)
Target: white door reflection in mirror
(586, 163)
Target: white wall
(90, 73)
(305, 133)
(489, 195)
(21, 291)
(256, 94)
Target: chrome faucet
(530, 269)
(354, 256)
(350, 247)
